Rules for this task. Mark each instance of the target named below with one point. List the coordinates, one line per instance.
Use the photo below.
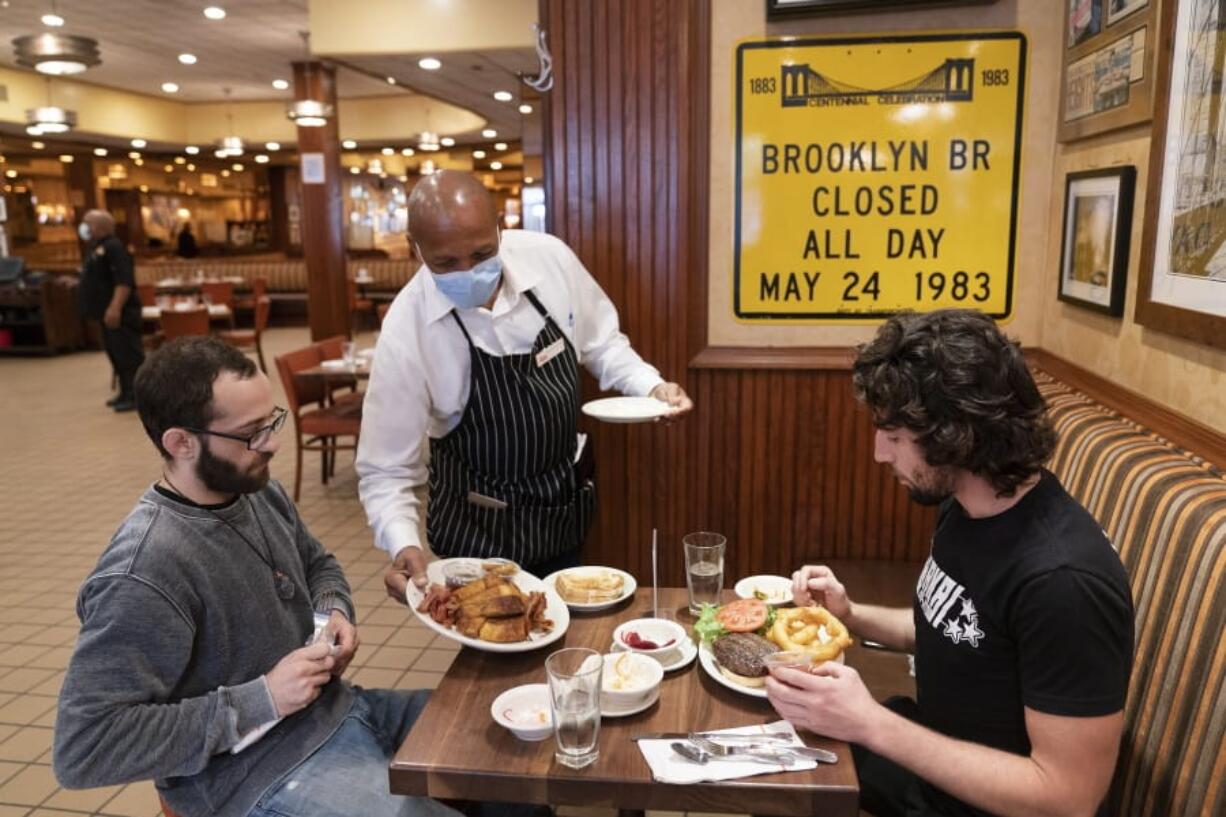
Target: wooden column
(323, 236)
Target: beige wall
(420, 26)
(1184, 376)
(1040, 20)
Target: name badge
(483, 501)
(550, 352)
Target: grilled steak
(742, 653)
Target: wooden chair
(259, 288)
(148, 294)
(177, 323)
(357, 304)
(247, 339)
(316, 429)
(218, 292)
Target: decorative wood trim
(1180, 430)
(1200, 327)
(800, 357)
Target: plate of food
(627, 409)
(489, 605)
(773, 590)
(738, 638)
(592, 588)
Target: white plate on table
(686, 652)
(555, 610)
(707, 659)
(629, 585)
(777, 589)
(627, 409)
(614, 712)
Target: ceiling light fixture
(447, 142)
(428, 167)
(179, 160)
(478, 154)
(215, 13)
(37, 145)
(169, 168)
(225, 174)
(66, 158)
(170, 87)
(528, 180)
(309, 113)
(500, 146)
(391, 80)
(53, 20)
(191, 167)
(525, 109)
(229, 145)
(99, 151)
(187, 59)
(138, 162)
(236, 167)
(139, 143)
(429, 64)
(489, 133)
(261, 159)
(349, 144)
(280, 84)
(272, 147)
(428, 141)
(495, 165)
(134, 154)
(56, 54)
(407, 151)
(503, 96)
(355, 170)
(388, 151)
(144, 188)
(50, 119)
(12, 174)
(191, 150)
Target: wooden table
(217, 312)
(359, 372)
(191, 285)
(455, 750)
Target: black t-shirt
(1029, 608)
(107, 265)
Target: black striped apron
(502, 482)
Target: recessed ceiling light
(355, 170)
(503, 96)
(187, 59)
(261, 159)
(403, 178)
(191, 150)
(225, 174)
(180, 160)
(525, 109)
(446, 141)
(280, 84)
(391, 80)
(272, 146)
(169, 168)
(429, 64)
(144, 188)
(37, 145)
(236, 167)
(495, 165)
(349, 144)
(66, 158)
(406, 151)
(12, 174)
(500, 146)
(478, 154)
(489, 133)
(53, 20)
(139, 143)
(191, 167)
(215, 13)
(99, 151)
(528, 180)
(134, 154)
(387, 151)
(170, 87)
(138, 162)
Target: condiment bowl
(525, 711)
(628, 679)
(665, 634)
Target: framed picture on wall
(1181, 289)
(783, 9)
(1108, 80)
(1097, 228)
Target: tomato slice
(742, 616)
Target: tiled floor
(70, 470)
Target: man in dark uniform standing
(108, 294)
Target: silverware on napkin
(765, 737)
(770, 750)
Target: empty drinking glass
(574, 696)
(704, 568)
(349, 351)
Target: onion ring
(796, 629)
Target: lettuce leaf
(708, 627)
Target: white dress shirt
(420, 377)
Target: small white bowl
(667, 634)
(774, 590)
(525, 711)
(646, 672)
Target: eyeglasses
(255, 439)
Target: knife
(765, 737)
(770, 750)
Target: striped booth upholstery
(1165, 509)
(389, 274)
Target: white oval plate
(707, 659)
(777, 589)
(629, 585)
(686, 652)
(555, 609)
(634, 710)
(626, 409)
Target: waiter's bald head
(453, 221)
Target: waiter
(108, 294)
(480, 355)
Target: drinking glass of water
(574, 696)
(349, 351)
(704, 568)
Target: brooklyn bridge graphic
(952, 81)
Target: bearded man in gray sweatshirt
(190, 667)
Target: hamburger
(740, 657)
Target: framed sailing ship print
(1181, 289)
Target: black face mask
(223, 477)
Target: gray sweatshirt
(179, 622)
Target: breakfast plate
(627, 409)
(685, 653)
(555, 610)
(774, 590)
(593, 572)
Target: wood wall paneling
(777, 455)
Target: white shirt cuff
(642, 385)
(398, 535)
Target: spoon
(700, 756)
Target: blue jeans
(347, 775)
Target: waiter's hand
(409, 565)
(110, 318)
(677, 399)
